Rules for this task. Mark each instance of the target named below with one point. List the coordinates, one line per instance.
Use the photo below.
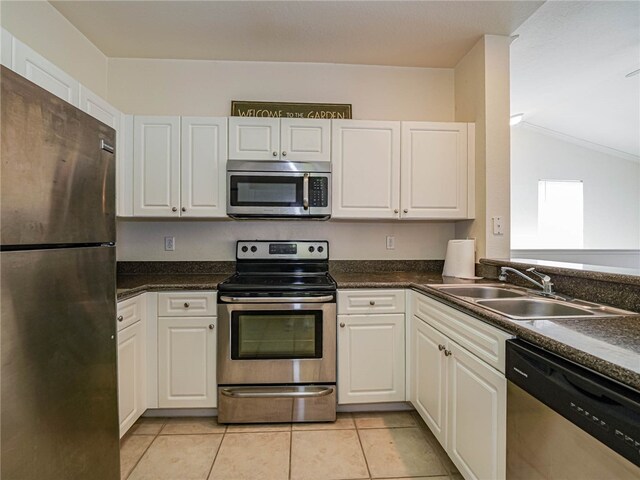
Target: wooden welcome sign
(290, 109)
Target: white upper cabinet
(366, 169)
(99, 108)
(434, 170)
(31, 65)
(424, 170)
(6, 48)
(203, 164)
(305, 140)
(156, 163)
(254, 138)
(296, 140)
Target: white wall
(611, 187)
(48, 32)
(200, 87)
(215, 240)
(482, 96)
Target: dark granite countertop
(131, 285)
(610, 346)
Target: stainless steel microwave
(290, 190)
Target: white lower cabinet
(371, 349)
(460, 397)
(187, 362)
(132, 363)
(371, 358)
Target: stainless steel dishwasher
(565, 421)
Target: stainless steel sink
(484, 291)
(534, 308)
(520, 304)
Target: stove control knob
(311, 249)
(321, 249)
(244, 249)
(254, 249)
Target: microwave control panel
(318, 192)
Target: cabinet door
(186, 362)
(253, 138)
(131, 374)
(366, 169)
(371, 358)
(477, 416)
(42, 72)
(156, 165)
(434, 170)
(305, 140)
(429, 390)
(203, 164)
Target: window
(560, 214)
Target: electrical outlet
(391, 242)
(498, 226)
(169, 244)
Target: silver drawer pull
(249, 392)
(341, 324)
(372, 302)
(211, 326)
(322, 299)
(447, 353)
(440, 347)
(186, 305)
(120, 318)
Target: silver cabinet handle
(396, 211)
(440, 347)
(321, 299)
(275, 154)
(406, 210)
(341, 324)
(284, 154)
(186, 304)
(120, 318)
(106, 147)
(372, 302)
(447, 353)
(259, 392)
(174, 209)
(305, 192)
(211, 326)
(183, 209)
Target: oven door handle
(321, 299)
(257, 392)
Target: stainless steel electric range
(277, 334)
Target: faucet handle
(545, 278)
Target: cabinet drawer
(484, 341)
(130, 311)
(370, 301)
(186, 304)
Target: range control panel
(282, 250)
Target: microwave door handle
(305, 191)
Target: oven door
(276, 343)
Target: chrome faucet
(546, 285)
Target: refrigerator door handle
(106, 147)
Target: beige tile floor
(390, 445)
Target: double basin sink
(520, 304)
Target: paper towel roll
(460, 259)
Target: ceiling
(398, 33)
(568, 72)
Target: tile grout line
(224, 434)
(146, 449)
(364, 455)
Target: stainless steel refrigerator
(59, 410)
